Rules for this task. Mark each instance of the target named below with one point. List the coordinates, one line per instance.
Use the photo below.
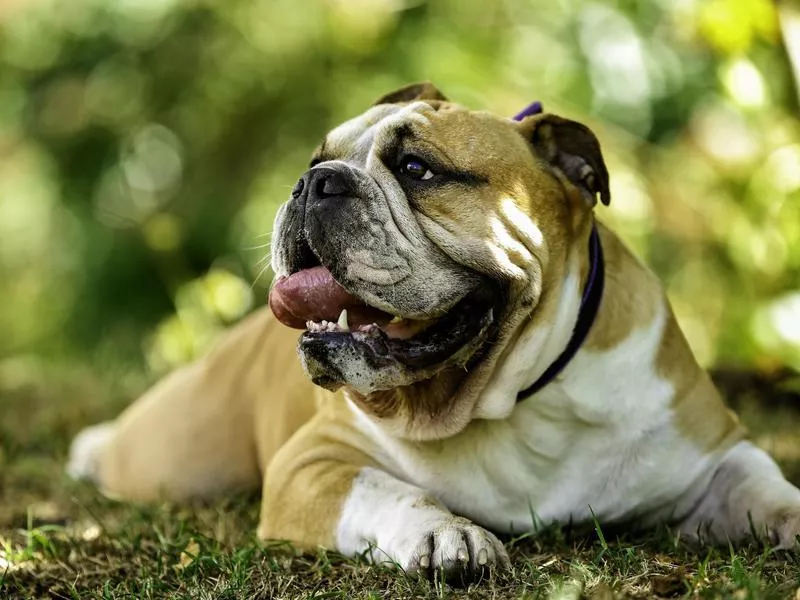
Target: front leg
(321, 492)
(397, 522)
(747, 494)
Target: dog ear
(415, 91)
(571, 148)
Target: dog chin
(372, 358)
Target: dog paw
(456, 550)
(83, 462)
(786, 530)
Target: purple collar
(590, 304)
(590, 301)
(534, 108)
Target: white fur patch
(84, 452)
(530, 356)
(398, 523)
(746, 491)
(524, 228)
(592, 438)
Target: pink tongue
(314, 295)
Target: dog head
(420, 238)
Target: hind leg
(193, 434)
(747, 494)
(185, 438)
(86, 450)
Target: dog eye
(415, 168)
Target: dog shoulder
(637, 315)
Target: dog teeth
(313, 326)
(342, 322)
(329, 326)
(396, 319)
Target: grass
(59, 539)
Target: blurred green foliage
(146, 144)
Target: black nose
(323, 182)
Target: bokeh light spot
(744, 83)
(163, 232)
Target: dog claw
(456, 551)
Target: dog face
(419, 239)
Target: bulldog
(478, 356)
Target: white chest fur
(598, 439)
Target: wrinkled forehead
(355, 138)
(466, 136)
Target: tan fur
(429, 399)
(638, 295)
(213, 425)
(324, 456)
(700, 413)
(284, 397)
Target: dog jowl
(457, 343)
